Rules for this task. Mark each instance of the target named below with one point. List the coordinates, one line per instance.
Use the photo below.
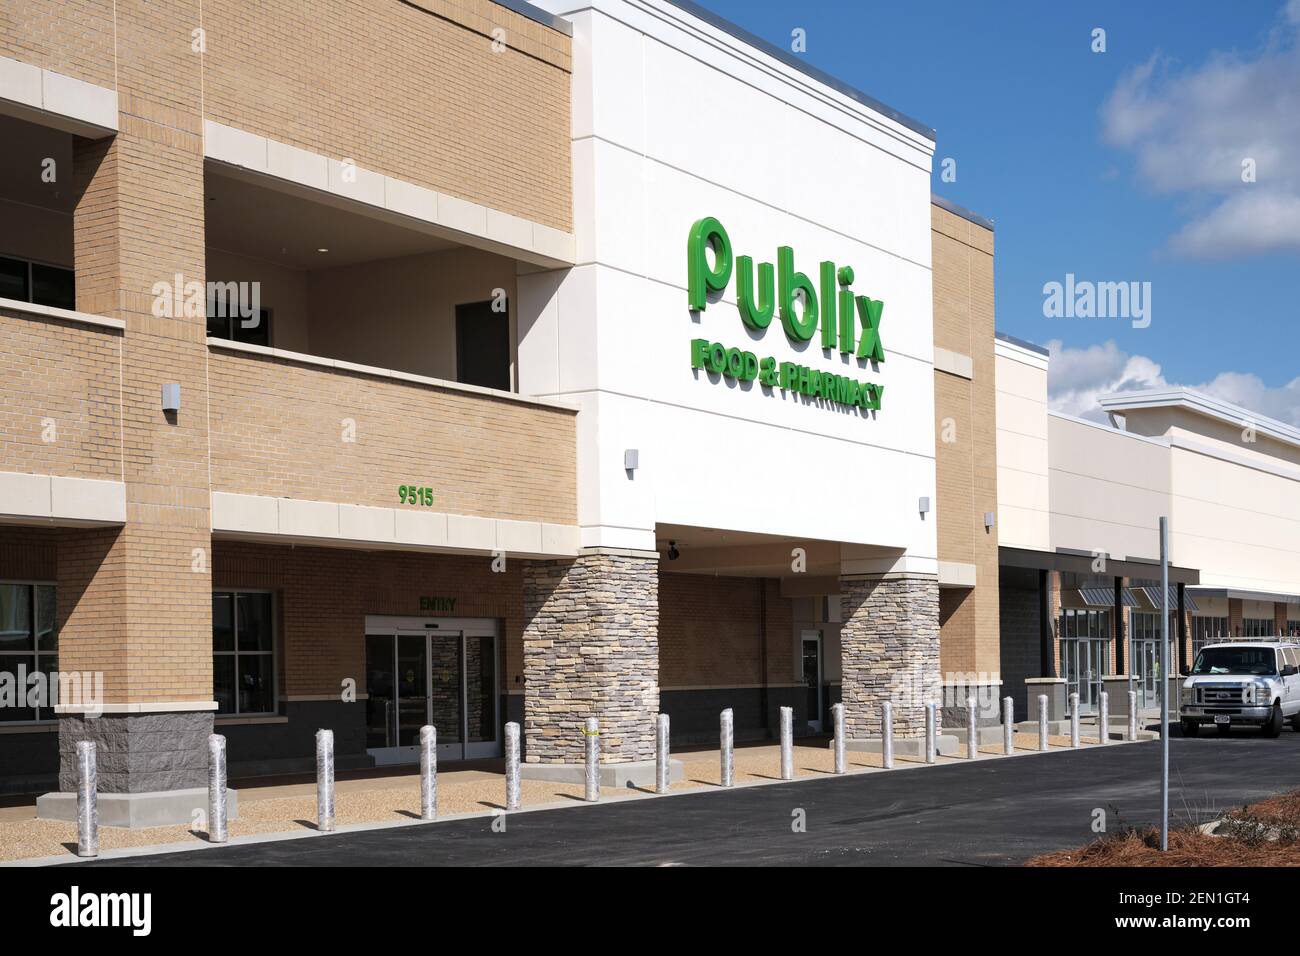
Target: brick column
(889, 650)
(591, 649)
(137, 600)
(1279, 618)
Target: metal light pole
(1164, 684)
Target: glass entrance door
(443, 677)
(1083, 662)
(812, 677)
(1147, 673)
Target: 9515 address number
(415, 495)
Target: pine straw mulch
(1264, 834)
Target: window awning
(1153, 596)
(1105, 597)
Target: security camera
(673, 553)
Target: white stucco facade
(675, 119)
(1227, 478)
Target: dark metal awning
(1105, 597)
(1152, 594)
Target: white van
(1238, 683)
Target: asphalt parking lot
(989, 812)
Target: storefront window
(1207, 630)
(243, 652)
(28, 645)
(1257, 627)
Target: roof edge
(1201, 404)
(1021, 343)
(962, 211)
(792, 61)
(538, 15)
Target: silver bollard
(727, 741)
(1103, 720)
(837, 718)
(1132, 715)
(931, 732)
(325, 781)
(1074, 720)
(1042, 721)
(512, 766)
(428, 772)
(972, 738)
(592, 753)
(661, 754)
(87, 800)
(1008, 728)
(787, 743)
(217, 831)
(887, 735)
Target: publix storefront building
(680, 400)
(749, 333)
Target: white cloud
(1191, 128)
(1077, 377)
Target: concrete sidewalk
(980, 812)
(388, 796)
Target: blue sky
(1115, 166)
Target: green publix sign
(841, 316)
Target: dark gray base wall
(1020, 638)
(988, 705)
(254, 750)
(29, 762)
(138, 753)
(694, 715)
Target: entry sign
(848, 322)
(444, 604)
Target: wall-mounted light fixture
(990, 519)
(171, 398)
(923, 505)
(631, 459)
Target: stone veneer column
(889, 649)
(591, 649)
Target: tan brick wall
(73, 37)
(28, 554)
(966, 468)
(277, 430)
(145, 617)
(324, 595)
(61, 383)
(411, 89)
(710, 632)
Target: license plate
(1222, 718)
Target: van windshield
(1236, 660)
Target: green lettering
(757, 314)
(798, 328)
(700, 279)
(869, 311)
(828, 304)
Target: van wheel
(1190, 727)
(1274, 726)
